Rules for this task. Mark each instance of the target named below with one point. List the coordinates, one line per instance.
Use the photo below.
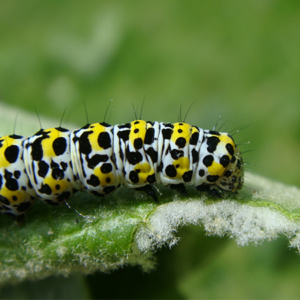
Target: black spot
(10, 183)
(187, 176)
(36, 146)
(45, 189)
(229, 149)
(239, 164)
(212, 143)
(214, 132)
(195, 156)
(109, 189)
(108, 180)
(127, 125)
(167, 133)
(106, 168)
(201, 172)
(124, 135)
(224, 161)
(105, 124)
(133, 157)
(152, 153)
(151, 179)
(84, 143)
(208, 160)
(24, 206)
(1, 181)
(212, 178)
(233, 159)
(57, 186)
(233, 180)
(104, 140)
(194, 138)
(59, 146)
(83, 127)
(138, 143)
(180, 142)
(43, 168)
(17, 174)
(61, 129)
(93, 181)
(64, 196)
(171, 171)
(4, 200)
(149, 137)
(57, 173)
(134, 177)
(23, 188)
(96, 159)
(40, 132)
(179, 130)
(64, 165)
(33, 171)
(11, 153)
(228, 173)
(136, 122)
(121, 153)
(176, 154)
(15, 136)
(136, 130)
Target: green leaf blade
(127, 227)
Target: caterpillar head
(233, 177)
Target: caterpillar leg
(214, 193)
(149, 190)
(180, 188)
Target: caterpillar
(55, 163)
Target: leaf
(127, 227)
(263, 210)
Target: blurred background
(237, 59)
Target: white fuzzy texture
(267, 214)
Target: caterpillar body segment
(93, 159)
(55, 163)
(17, 194)
(48, 165)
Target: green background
(237, 59)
